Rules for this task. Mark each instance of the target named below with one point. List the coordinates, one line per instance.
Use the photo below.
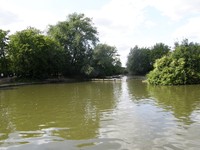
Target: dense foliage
(68, 49)
(4, 60)
(106, 61)
(182, 66)
(78, 38)
(34, 55)
(141, 60)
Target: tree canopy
(34, 55)
(106, 61)
(69, 48)
(4, 60)
(78, 37)
(141, 60)
(182, 66)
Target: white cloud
(122, 23)
(176, 9)
(118, 21)
(7, 17)
(149, 24)
(190, 30)
(118, 18)
(17, 17)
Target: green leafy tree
(168, 72)
(4, 61)
(106, 61)
(139, 61)
(34, 55)
(77, 36)
(180, 67)
(157, 51)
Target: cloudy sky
(120, 23)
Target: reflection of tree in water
(6, 124)
(137, 89)
(181, 100)
(76, 107)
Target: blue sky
(120, 23)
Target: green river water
(124, 114)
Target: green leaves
(141, 60)
(178, 68)
(34, 55)
(78, 37)
(4, 60)
(106, 61)
(67, 49)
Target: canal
(124, 114)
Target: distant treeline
(69, 48)
(165, 66)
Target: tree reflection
(137, 89)
(75, 107)
(181, 100)
(5, 117)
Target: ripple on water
(19, 138)
(97, 144)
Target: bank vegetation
(165, 66)
(70, 48)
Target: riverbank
(11, 81)
(137, 77)
(108, 78)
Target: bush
(180, 67)
(141, 60)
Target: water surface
(103, 115)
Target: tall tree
(106, 60)
(139, 61)
(34, 55)
(77, 36)
(4, 66)
(157, 51)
